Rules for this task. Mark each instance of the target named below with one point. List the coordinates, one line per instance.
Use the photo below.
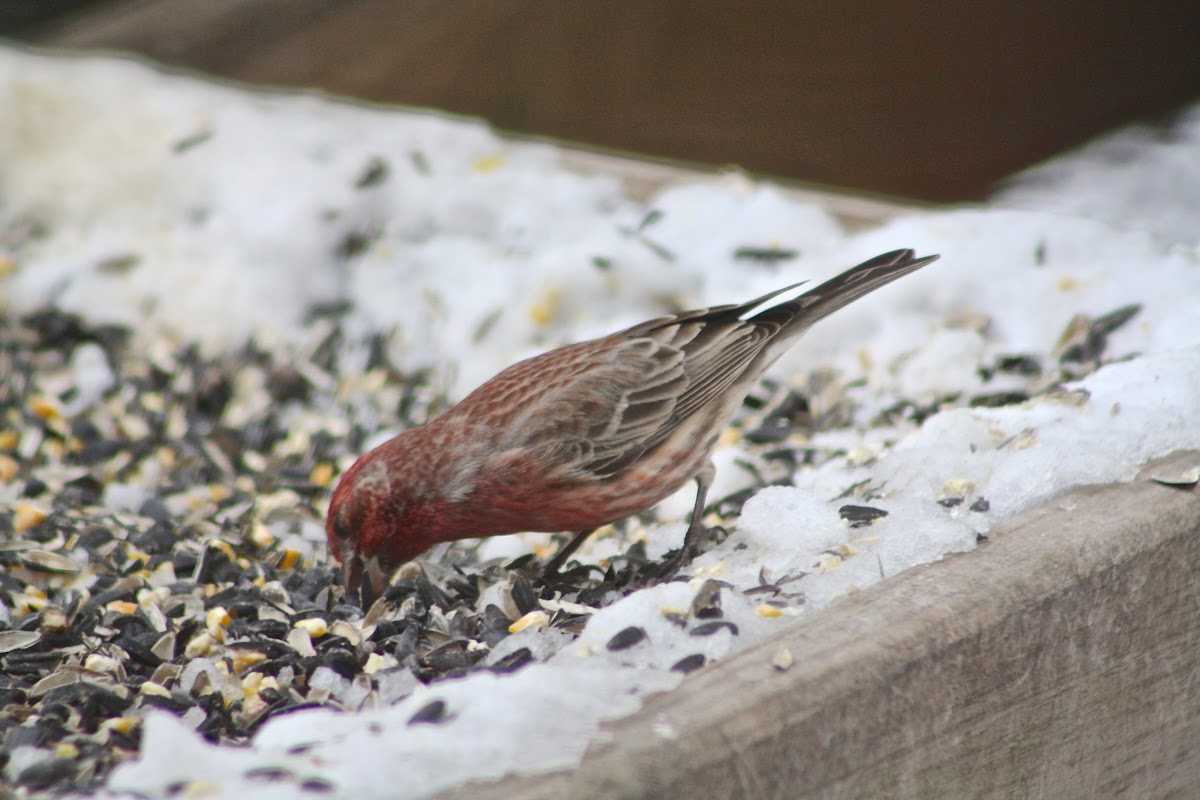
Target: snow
(210, 214)
(1142, 176)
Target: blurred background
(915, 99)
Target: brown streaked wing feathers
(691, 358)
(644, 382)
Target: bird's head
(374, 524)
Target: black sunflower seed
(513, 661)
(709, 628)
(316, 786)
(431, 713)
(523, 594)
(764, 255)
(860, 516)
(998, 399)
(689, 663)
(44, 774)
(1019, 364)
(268, 774)
(626, 638)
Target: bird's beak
(368, 576)
(352, 570)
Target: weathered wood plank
(906, 98)
(1061, 659)
(642, 176)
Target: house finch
(577, 437)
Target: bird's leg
(696, 529)
(566, 551)
(704, 480)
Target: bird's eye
(341, 529)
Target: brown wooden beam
(918, 99)
(1059, 659)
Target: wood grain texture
(915, 99)
(1058, 660)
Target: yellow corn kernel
(313, 626)
(8, 468)
(538, 619)
(26, 516)
(289, 558)
(489, 163)
(46, 408)
(321, 474)
(215, 622)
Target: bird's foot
(695, 542)
(565, 551)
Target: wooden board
(1061, 659)
(906, 98)
(642, 177)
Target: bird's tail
(795, 316)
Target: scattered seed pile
(161, 538)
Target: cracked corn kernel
(199, 645)
(542, 312)
(958, 487)
(261, 537)
(288, 558)
(215, 621)
(321, 474)
(54, 620)
(121, 724)
(489, 163)
(46, 408)
(313, 626)
(534, 618)
(225, 547)
(377, 662)
(699, 573)
(829, 563)
(156, 689)
(247, 658)
(251, 684)
(782, 660)
(217, 616)
(27, 516)
(768, 610)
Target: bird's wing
(607, 416)
(600, 405)
(589, 410)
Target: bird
(578, 437)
